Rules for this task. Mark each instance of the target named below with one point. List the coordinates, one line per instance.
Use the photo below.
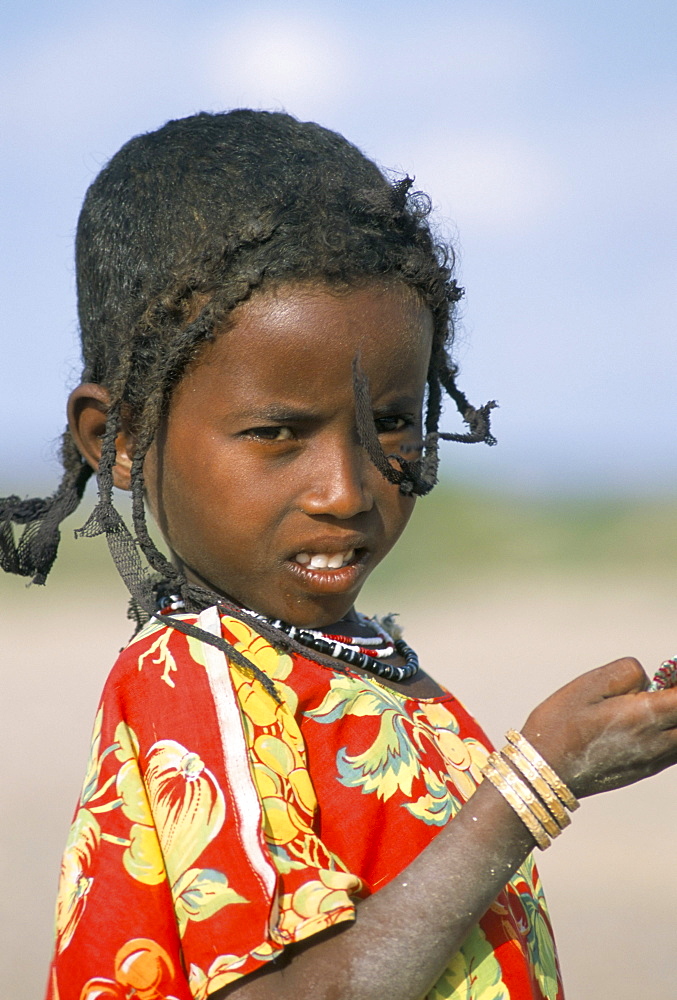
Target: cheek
(407, 504)
(177, 491)
(397, 510)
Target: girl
(279, 802)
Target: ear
(87, 411)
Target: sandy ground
(611, 879)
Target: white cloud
(489, 182)
(279, 60)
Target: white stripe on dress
(236, 754)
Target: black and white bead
(351, 654)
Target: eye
(392, 424)
(270, 433)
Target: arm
(601, 731)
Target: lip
(330, 544)
(331, 581)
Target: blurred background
(545, 135)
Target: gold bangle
(533, 826)
(540, 786)
(546, 772)
(527, 796)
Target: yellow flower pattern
(75, 883)
(525, 887)
(83, 840)
(474, 973)
(280, 772)
(173, 814)
(393, 760)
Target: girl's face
(257, 478)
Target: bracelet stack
(536, 793)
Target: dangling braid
(181, 226)
(34, 553)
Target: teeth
(321, 560)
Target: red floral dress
(216, 824)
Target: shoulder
(155, 638)
(153, 664)
(164, 665)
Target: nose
(337, 481)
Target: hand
(604, 730)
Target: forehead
(312, 333)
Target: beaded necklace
(353, 653)
(366, 652)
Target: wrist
(532, 788)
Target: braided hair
(182, 225)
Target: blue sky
(544, 132)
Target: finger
(624, 676)
(663, 707)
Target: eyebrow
(276, 414)
(401, 403)
(286, 413)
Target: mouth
(329, 571)
(325, 560)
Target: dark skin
(271, 401)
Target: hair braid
(34, 553)
(105, 518)
(478, 420)
(431, 455)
